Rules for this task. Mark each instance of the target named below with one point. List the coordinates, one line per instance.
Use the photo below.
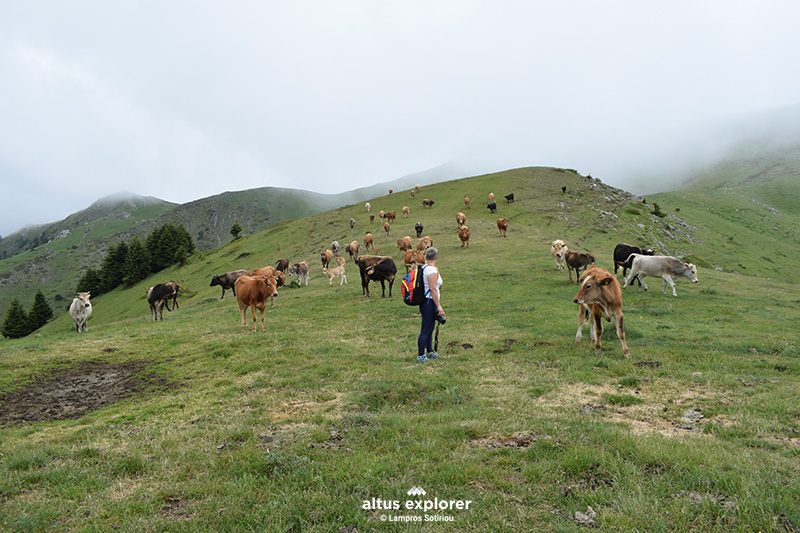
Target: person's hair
(431, 254)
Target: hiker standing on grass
(432, 308)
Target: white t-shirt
(427, 271)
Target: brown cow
(413, 193)
(424, 243)
(372, 218)
(173, 296)
(464, 234)
(428, 203)
(461, 219)
(352, 249)
(577, 261)
(367, 241)
(253, 292)
(406, 211)
(263, 271)
(466, 202)
(282, 264)
(405, 243)
(502, 225)
(387, 227)
(325, 256)
(600, 296)
(412, 258)
(391, 215)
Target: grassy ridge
(293, 429)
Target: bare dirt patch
(78, 389)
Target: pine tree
(236, 229)
(113, 270)
(90, 282)
(40, 312)
(137, 264)
(169, 244)
(16, 323)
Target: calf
(464, 234)
(157, 297)
(226, 281)
(80, 309)
(376, 268)
(664, 266)
(301, 271)
(253, 293)
(502, 225)
(600, 296)
(557, 250)
(622, 253)
(335, 272)
(577, 261)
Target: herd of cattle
(599, 295)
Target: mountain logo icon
(416, 491)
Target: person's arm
(432, 279)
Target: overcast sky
(182, 100)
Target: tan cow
(335, 272)
(502, 225)
(263, 271)
(413, 193)
(405, 243)
(387, 227)
(466, 202)
(464, 234)
(391, 215)
(461, 219)
(253, 292)
(80, 309)
(352, 249)
(325, 257)
(367, 241)
(557, 250)
(491, 197)
(412, 258)
(600, 296)
(406, 211)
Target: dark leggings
(425, 340)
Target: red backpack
(412, 287)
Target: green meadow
(306, 426)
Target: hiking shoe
(432, 355)
(422, 358)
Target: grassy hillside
(302, 427)
(745, 212)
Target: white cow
(663, 266)
(367, 206)
(557, 250)
(80, 309)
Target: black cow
(226, 281)
(492, 206)
(577, 261)
(376, 268)
(418, 226)
(509, 197)
(622, 254)
(157, 297)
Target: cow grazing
(387, 228)
(79, 310)
(600, 296)
(281, 265)
(466, 202)
(491, 206)
(405, 243)
(335, 248)
(577, 261)
(413, 193)
(157, 297)
(502, 225)
(419, 227)
(461, 219)
(226, 281)
(509, 198)
(367, 241)
(325, 256)
(376, 268)
(391, 215)
(253, 293)
(174, 297)
(427, 203)
(664, 266)
(622, 253)
(412, 258)
(557, 250)
(367, 206)
(352, 223)
(491, 197)
(372, 218)
(301, 271)
(352, 249)
(335, 272)
(406, 211)
(463, 234)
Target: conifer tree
(40, 312)
(90, 282)
(113, 270)
(236, 229)
(16, 323)
(137, 263)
